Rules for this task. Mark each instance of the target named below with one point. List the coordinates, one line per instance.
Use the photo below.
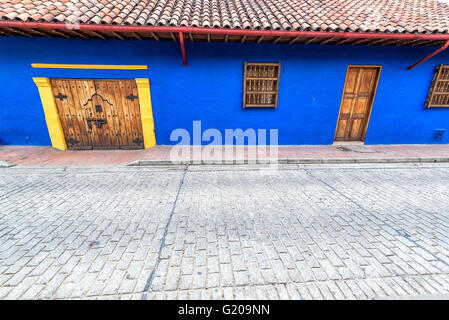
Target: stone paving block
(19, 290)
(272, 292)
(314, 291)
(227, 278)
(228, 293)
(173, 276)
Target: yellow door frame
(54, 124)
(146, 112)
(51, 113)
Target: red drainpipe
(183, 50)
(444, 47)
(224, 31)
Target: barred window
(261, 84)
(439, 89)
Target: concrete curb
(165, 162)
(6, 164)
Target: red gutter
(444, 47)
(183, 50)
(221, 31)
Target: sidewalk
(47, 156)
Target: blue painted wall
(210, 87)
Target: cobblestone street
(229, 232)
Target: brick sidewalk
(47, 156)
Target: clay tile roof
(404, 16)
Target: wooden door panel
(86, 90)
(357, 100)
(116, 93)
(78, 101)
(132, 114)
(63, 101)
(78, 114)
(99, 113)
(361, 105)
(71, 115)
(134, 109)
(356, 129)
(341, 129)
(121, 87)
(344, 119)
(126, 112)
(100, 121)
(103, 107)
(127, 91)
(108, 91)
(63, 112)
(366, 81)
(351, 81)
(346, 106)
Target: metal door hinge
(131, 97)
(72, 141)
(61, 96)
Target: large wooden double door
(358, 96)
(99, 114)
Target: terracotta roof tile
(408, 16)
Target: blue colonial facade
(210, 88)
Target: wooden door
(99, 114)
(358, 97)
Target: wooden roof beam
(117, 35)
(360, 41)
(98, 34)
(390, 42)
(22, 33)
(421, 43)
(327, 41)
(41, 33)
(310, 40)
(260, 39)
(277, 40)
(375, 42)
(154, 36)
(294, 40)
(344, 40)
(243, 39)
(433, 43)
(82, 35)
(222, 31)
(136, 36)
(60, 33)
(408, 42)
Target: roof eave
(221, 31)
